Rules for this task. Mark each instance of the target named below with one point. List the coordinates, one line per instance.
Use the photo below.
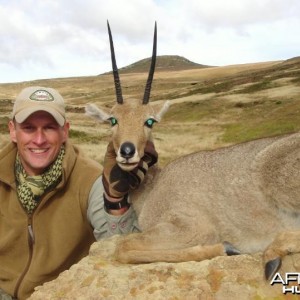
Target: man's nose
(40, 137)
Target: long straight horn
(152, 68)
(115, 68)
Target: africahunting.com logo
(290, 282)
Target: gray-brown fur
(247, 195)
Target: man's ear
(12, 131)
(66, 129)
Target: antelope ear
(160, 109)
(97, 113)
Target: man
(52, 202)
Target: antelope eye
(149, 123)
(113, 121)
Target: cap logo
(41, 95)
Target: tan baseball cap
(36, 98)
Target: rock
(99, 276)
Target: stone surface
(99, 276)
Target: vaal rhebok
(239, 199)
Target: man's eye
(113, 121)
(27, 128)
(51, 127)
(149, 123)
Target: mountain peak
(163, 63)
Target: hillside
(163, 63)
(211, 107)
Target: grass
(296, 80)
(259, 86)
(3, 124)
(268, 119)
(196, 110)
(238, 133)
(82, 137)
(211, 107)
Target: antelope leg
(230, 249)
(195, 253)
(285, 243)
(271, 267)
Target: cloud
(235, 14)
(57, 38)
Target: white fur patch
(95, 112)
(164, 109)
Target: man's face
(39, 139)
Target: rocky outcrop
(99, 276)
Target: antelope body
(239, 199)
(247, 195)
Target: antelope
(131, 119)
(229, 201)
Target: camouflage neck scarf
(31, 188)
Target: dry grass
(211, 107)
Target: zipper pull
(30, 230)
(31, 233)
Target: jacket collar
(68, 162)
(7, 162)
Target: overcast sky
(66, 38)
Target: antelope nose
(127, 150)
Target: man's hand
(117, 182)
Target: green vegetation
(263, 85)
(237, 133)
(241, 121)
(296, 80)
(195, 111)
(82, 137)
(163, 62)
(3, 125)
(267, 119)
